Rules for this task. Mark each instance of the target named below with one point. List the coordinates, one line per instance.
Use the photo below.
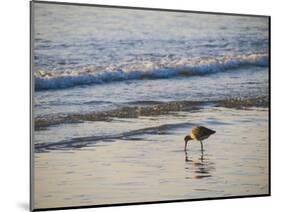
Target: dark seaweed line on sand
(80, 142)
(155, 109)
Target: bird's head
(187, 138)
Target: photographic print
(135, 105)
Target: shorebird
(199, 134)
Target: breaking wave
(166, 68)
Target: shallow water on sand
(154, 167)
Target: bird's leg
(201, 146)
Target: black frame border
(31, 90)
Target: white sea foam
(165, 68)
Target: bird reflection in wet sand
(199, 168)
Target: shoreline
(148, 109)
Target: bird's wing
(202, 132)
(206, 130)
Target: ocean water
(105, 76)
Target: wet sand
(154, 167)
